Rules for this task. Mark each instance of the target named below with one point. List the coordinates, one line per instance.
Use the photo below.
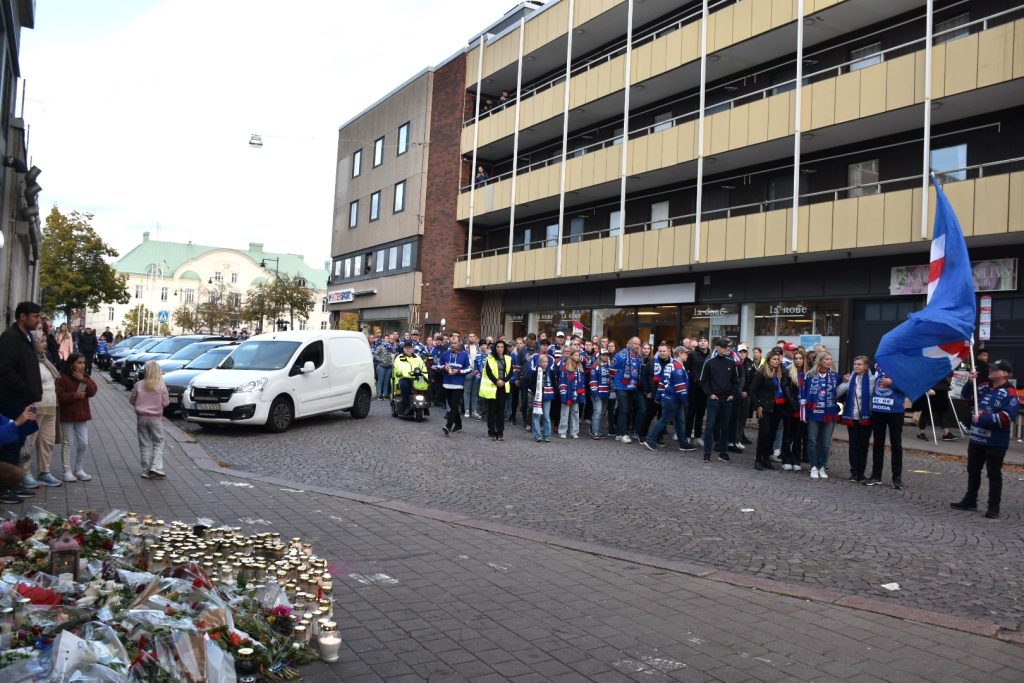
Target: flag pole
(931, 415)
(952, 406)
(974, 379)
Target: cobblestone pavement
(419, 599)
(829, 534)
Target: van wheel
(361, 407)
(281, 415)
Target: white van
(272, 379)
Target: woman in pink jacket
(150, 397)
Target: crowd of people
(706, 390)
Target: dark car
(164, 349)
(117, 364)
(181, 358)
(177, 381)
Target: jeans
(88, 362)
(76, 435)
(150, 431)
(383, 381)
(860, 435)
(717, 429)
(471, 395)
(674, 412)
(512, 405)
(767, 429)
(453, 418)
(597, 415)
(638, 403)
(777, 445)
(542, 422)
(405, 386)
(739, 420)
(819, 438)
(612, 409)
(526, 402)
(990, 458)
(496, 413)
(880, 422)
(11, 453)
(570, 421)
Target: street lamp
(277, 264)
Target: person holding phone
(74, 389)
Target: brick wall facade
(443, 237)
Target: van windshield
(260, 355)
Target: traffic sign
(163, 317)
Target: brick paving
(826, 534)
(421, 599)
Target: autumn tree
(139, 320)
(186, 317)
(74, 273)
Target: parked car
(177, 381)
(166, 348)
(117, 363)
(272, 379)
(182, 357)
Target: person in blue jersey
(542, 383)
(478, 373)
(773, 394)
(998, 407)
(572, 390)
(820, 409)
(857, 388)
(626, 379)
(454, 366)
(600, 377)
(384, 360)
(671, 395)
(887, 409)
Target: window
(375, 205)
(357, 266)
(951, 29)
(614, 223)
(399, 197)
(190, 296)
(866, 56)
(314, 353)
(353, 214)
(784, 81)
(551, 235)
(403, 138)
(323, 324)
(357, 163)
(618, 136)
(234, 278)
(302, 324)
(138, 291)
(659, 215)
(337, 268)
(110, 313)
(163, 294)
(949, 163)
(392, 258)
(323, 305)
(217, 276)
(235, 299)
(406, 255)
(380, 261)
(576, 225)
(862, 178)
(348, 268)
(663, 121)
(368, 262)
(378, 152)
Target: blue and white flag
(931, 343)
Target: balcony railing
(982, 24)
(948, 176)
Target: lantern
(64, 554)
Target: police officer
(998, 406)
(406, 366)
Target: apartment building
(742, 167)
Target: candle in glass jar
(330, 642)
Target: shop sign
(514, 317)
(809, 341)
(341, 296)
(788, 311)
(711, 312)
(992, 275)
(985, 319)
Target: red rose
(235, 639)
(215, 635)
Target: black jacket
(88, 343)
(695, 366)
(747, 373)
(647, 383)
(720, 378)
(762, 392)
(19, 369)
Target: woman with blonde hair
(65, 343)
(150, 397)
(820, 411)
(794, 431)
(774, 397)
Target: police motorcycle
(419, 399)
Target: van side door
(311, 390)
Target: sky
(140, 111)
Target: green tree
(139, 320)
(298, 299)
(186, 317)
(74, 274)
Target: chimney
(256, 247)
(145, 236)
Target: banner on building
(341, 296)
(992, 275)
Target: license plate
(175, 398)
(208, 406)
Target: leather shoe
(897, 484)
(992, 513)
(963, 505)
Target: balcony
(989, 202)
(847, 104)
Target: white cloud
(145, 122)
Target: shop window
(862, 178)
(949, 163)
(866, 56)
(618, 324)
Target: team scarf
(538, 392)
(865, 400)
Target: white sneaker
(822, 474)
(787, 467)
(777, 453)
(618, 438)
(69, 476)
(626, 439)
(697, 441)
(814, 473)
(561, 436)
(776, 457)
(82, 476)
(738, 446)
(797, 467)
(467, 414)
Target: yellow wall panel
(995, 55)
(757, 121)
(654, 143)
(641, 65)
(666, 247)
(705, 238)
(634, 256)
(596, 256)
(574, 173)
(1016, 204)
(899, 82)
(691, 42)
(761, 17)
(872, 90)
(673, 50)
(570, 259)
(735, 234)
(961, 64)
(898, 217)
(1018, 48)
(603, 83)
(844, 224)
(669, 146)
(919, 76)
(938, 71)
(718, 127)
(820, 230)
(463, 206)
(776, 232)
(659, 55)
(472, 60)
(915, 216)
(554, 180)
(467, 139)
(847, 97)
(682, 245)
(754, 239)
(739, 125)
(715, 237)
(783, 12)
(609, 246)
(613, 162)
(587, 171)
(712, 21)
(652, 239)
(459, 275)
(637, 155)
(805, 107)
(961, 197)
(870, 220)
(741, 14)
(723, 28)
(991, 205)
(803, 229)
(519, 266)
(823, 104)
(779, 117)
(687, 133)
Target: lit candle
(330, 642)
(21, 611)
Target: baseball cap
(604, 352)
(407, 343)
(415, 333)
(741, 347)
(723, 342)
(1003, 365)
(560, 333)
(789, 346)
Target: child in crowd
(74, 389)
(150, 397)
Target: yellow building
(638, 174)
